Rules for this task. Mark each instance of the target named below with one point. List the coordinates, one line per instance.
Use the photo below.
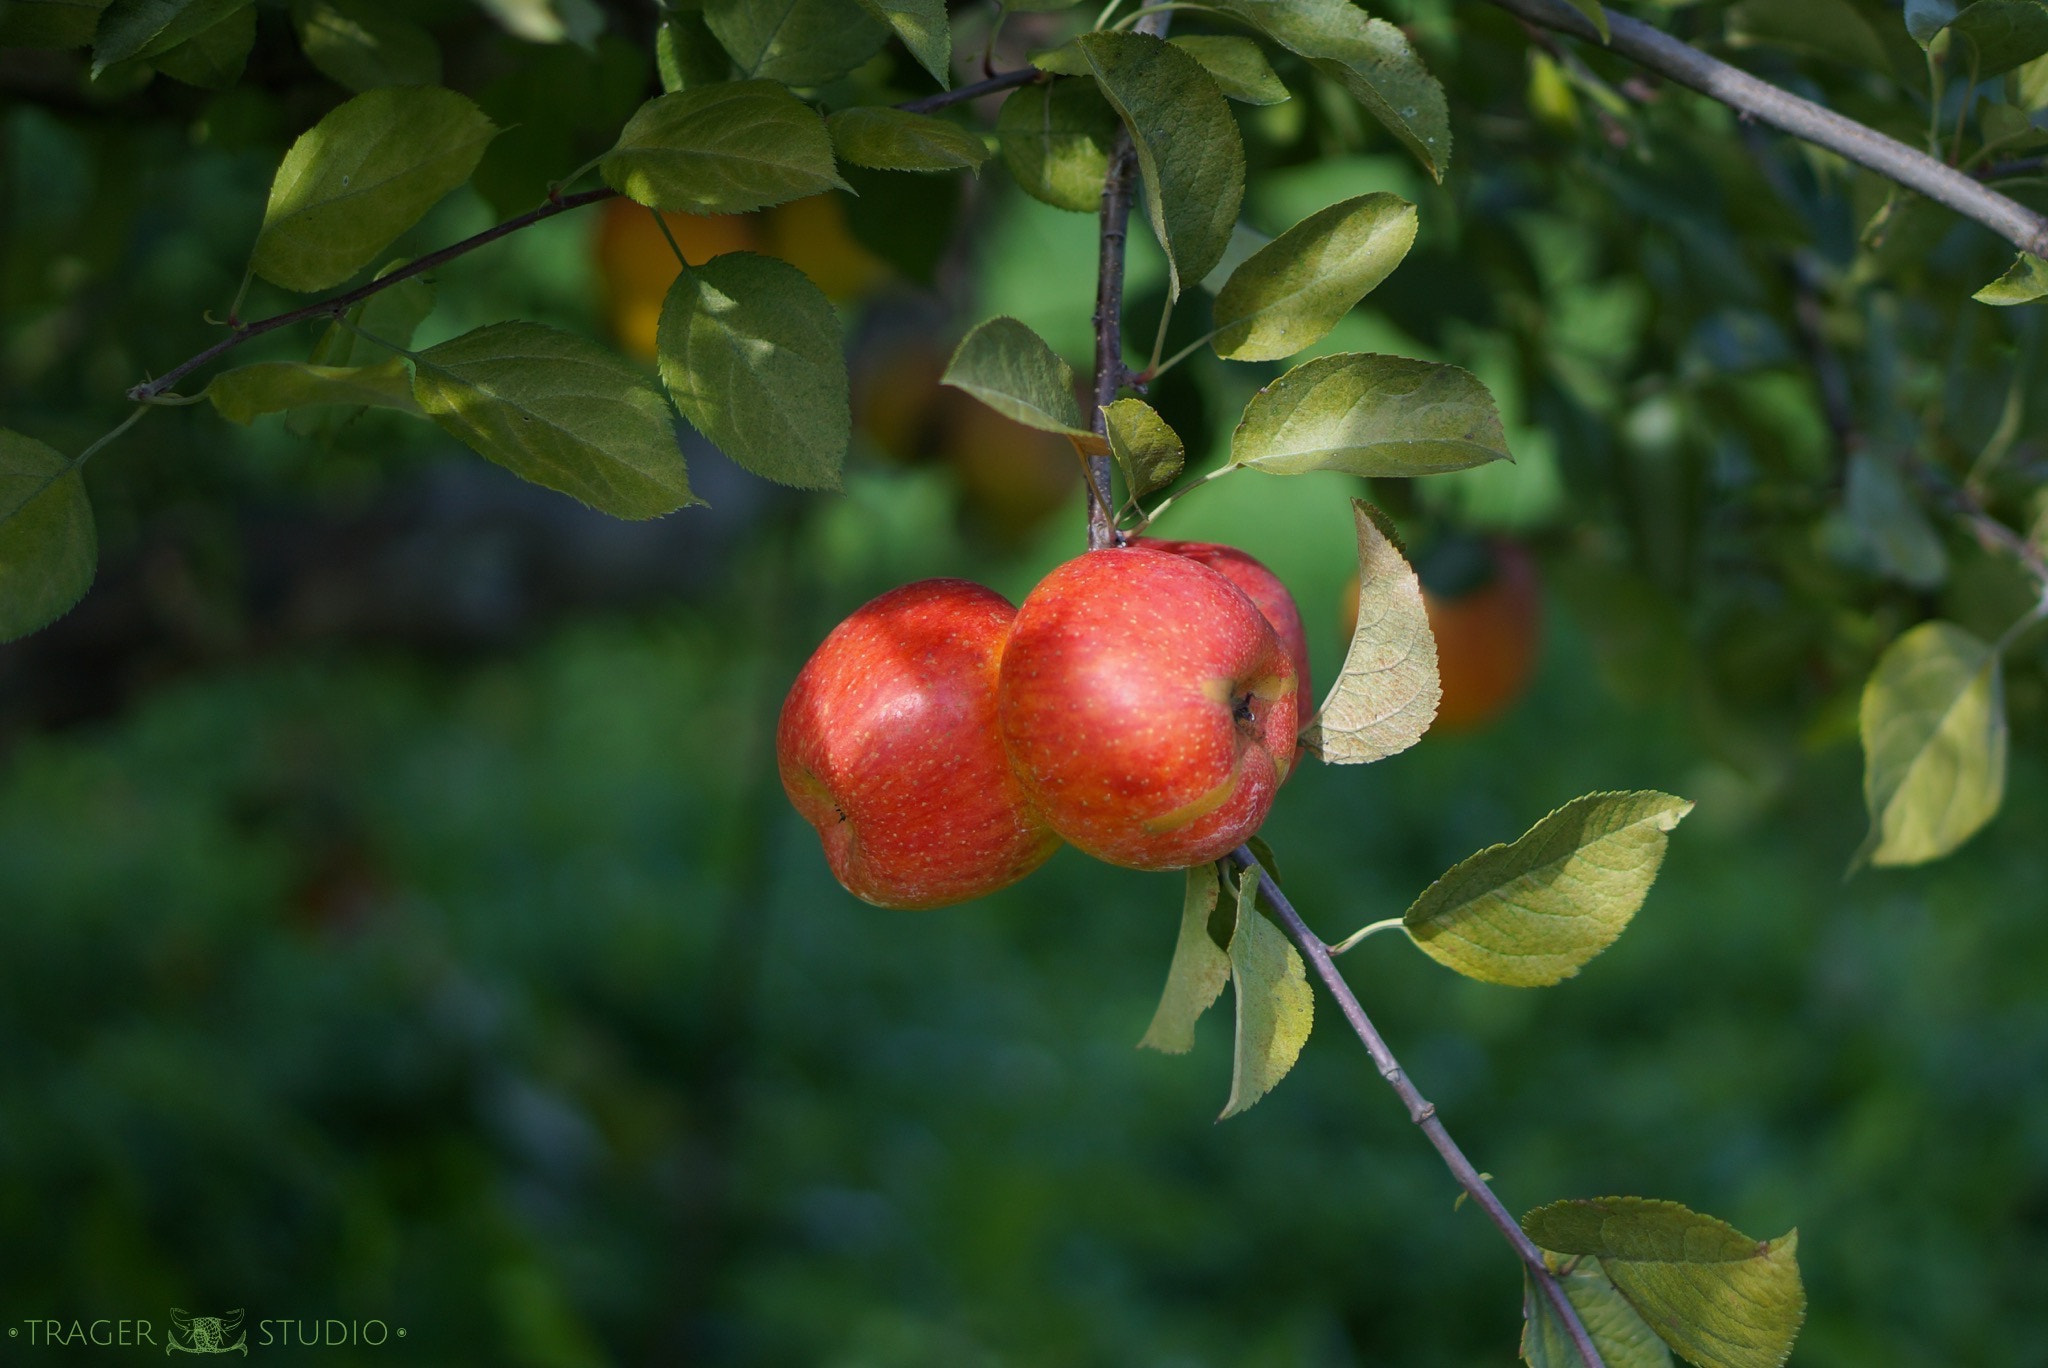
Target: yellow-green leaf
(48, 545)
(1291, 292)
(1719, 1298)
(1239, 68)
(559, 410)
(1622, 1338)
(751, 351)
(1386, 695)
(886, 139)
(1199, 971)
(796, 42)
(686, 56)
(242, 394)
(1275, 1007)
(1055, 140)
(1531, 913)
(1149, 451)
(923, 27)
(2025, 281)
(1934, 744)
(361, 176)
(1011, 369)
(1370, 415)
(1189, 149)
(722, 149)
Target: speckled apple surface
(1148, 708)
(1264, 588)
(888, 745)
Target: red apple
(1148, 708)
(1264, 588)
(888, 745)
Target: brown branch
(1002, 80)
(1420, 1110)
(1758, 99)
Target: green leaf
(1623, 1338)
(241, 394)
(1011, 369)
(1992, 37)
(1370, 415)
(1386, 695)
(213, 58)
(1717, 1297)
(1824, 28)
(1275, 1007)
(1370, 58)
(2025, 281)
(686, 56)
(50, 23)
(1596, 12)
(1055, 140)
(48, 547)
(796, 42)
(1291, 292)
(1189, 150)
(145, 28)
(922, 26)
(1239, 69)
(1883, 528)
(1200, 969)
(559, 410)
(722, 149)
(362, 45)
(391, 316)
(1934, 744)
(1150, 452)
(1926, 18)
(1530, 914)
(549, 21)
(752, 353)
(360, 177)
(885, 139)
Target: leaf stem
(1139, 16)
(1421, 1111)
(77, 462)
(1159, 368)
(1390, 924)
(661, 222)
(1181, 493)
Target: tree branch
(1002, 80)
(1421, 1111)
(1758, 99)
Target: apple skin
(1148, 708)
(888, 745)
(1263, 588)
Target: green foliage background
(491, 988)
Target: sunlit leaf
(360, 177)
(1370, 415)
(752, 353)
(548, 21)
(1199, 971)
(48, 546)
(1386, 695)
(1370, 58)
(1595, 11)
(923, 27)
(722, 149)
(796, 42)
(1055, 140)
(1934, 744)
(1149, 451)
(1238, 67)
(362, 44)
(1275, 1007)
(1719, 1298)
(559, 410)
(891, 140)
(1620, 1336)
(1531, 913)
(1189, 150)
(1291, 292)
(242, 394)
(2025, 281)
(1011, 369)
(145, 28)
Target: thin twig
(1002, 80)
(1759, 99)
(1421, 1111)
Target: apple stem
(1420, 1110)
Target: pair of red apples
(1142, 705)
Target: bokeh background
(400, 917)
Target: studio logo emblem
(207, 1334)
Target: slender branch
(1002, 80)
(341, 303)
(1759, 99)
(1421, 1111)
